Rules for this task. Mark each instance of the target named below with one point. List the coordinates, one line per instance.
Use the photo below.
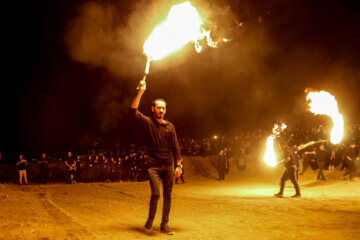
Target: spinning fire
(183, 25)
(319, 103)
(325, 104)
(270, 154)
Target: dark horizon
(70, 84)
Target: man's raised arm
(135, 102)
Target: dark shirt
(161, 140)
(290, 158)
(43, 162)
(22, 166)
(71, 161)
(321, 155)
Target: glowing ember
(270, 155)
(325, 104)
(183, 25)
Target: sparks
(325, 104)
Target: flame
(325, 104)
(270, 154)
(183, 25)
(278, 129)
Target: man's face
(69, 154)
(159, 110)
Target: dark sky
(72, 68)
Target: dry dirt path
(202, 209)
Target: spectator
(21, 165)
(70, 164)
(43, 168)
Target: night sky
(72, 68)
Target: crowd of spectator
(131, 165)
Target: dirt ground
(241, 207)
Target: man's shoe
(296, 195)
(279, 195)
(164, 228)
(148, 225)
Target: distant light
(215, 137)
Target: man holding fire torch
(291, 164)
(163, 149)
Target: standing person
(227, 163)
(321, 156)
(43, 168)
(88, 171)
(291, 164)
(221, 165)
(22, 164)
(163, 149)
(349, 161)
(70, 164)
(96, 169)
(80, 165)
(105, 169)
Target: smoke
(110, 108)
(259, 75)
(94, 38)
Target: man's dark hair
(158, 99)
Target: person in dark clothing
(349, 162)
(88, 170)
(227, 161)
(291, 164)
(80, 167)
(163, 149)
(43, 168)
(114, 170)
(221, 165)
(70, 164)
(96, 169)
(321, 155)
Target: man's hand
(142, 85)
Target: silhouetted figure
(70, 164)
(163, 149)
(291, 164)
(21, 165)
(43, 168)
(221, 165)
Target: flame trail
(325, 104)
(270, 155)
(183, 25)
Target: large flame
(325, 104)
(183, 25)
(270, 154)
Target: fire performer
(291, 164)
(163, 148)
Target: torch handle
(144, 78)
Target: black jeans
(165, 174)
(221, 169)
(290, 173)
(321, 175)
